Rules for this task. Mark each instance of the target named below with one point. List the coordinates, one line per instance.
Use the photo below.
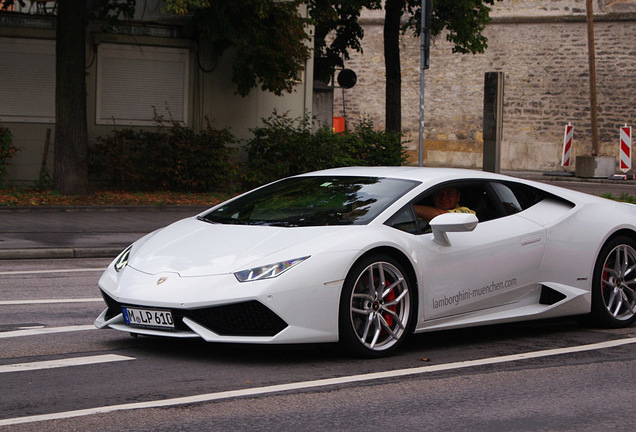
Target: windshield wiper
(204, 219)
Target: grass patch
(622, 198)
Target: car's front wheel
(614, 284)
(376, 307)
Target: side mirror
(452, 222)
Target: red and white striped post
(567, 145)
(626, 149)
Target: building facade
(541, 47)
(141, 71)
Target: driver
(445, 201)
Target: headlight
(122, 259)
(267, 271)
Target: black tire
(374, 319)
(614, 284)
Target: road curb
(195, 209)
(57, 253)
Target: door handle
(531, 239)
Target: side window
(477, 197)
(404, 220)
(507, 198)
(474, 196)
(489, 200)
(517, 197)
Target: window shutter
(27, 74)
(135, 81)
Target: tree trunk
(393, 102)
(70, 172)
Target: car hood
(195, 248)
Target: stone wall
(541, 46)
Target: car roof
(432, 176)
(422, 174)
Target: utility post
(592, 65)
(425, 36)
(593, 165)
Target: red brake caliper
(389, 298)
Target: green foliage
(378, 147)
(268, 35)
(172, 158)
(336, 31)
(465, 21)
(182, 7)
(110, 12)
(177, 159)
(281, 146)
(285, 146)
(7, 151)
(8, 4)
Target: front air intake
(250, 318)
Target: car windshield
(312, 201)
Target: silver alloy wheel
(380, 306)
(618, 282)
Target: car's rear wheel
(614, 284)
(376, 307)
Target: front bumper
(287, 309)
(246, 319)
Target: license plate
(155, 318)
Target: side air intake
(550, 296)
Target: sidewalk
(80, 232)
(596, 186)
(103, 232)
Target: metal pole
(592, 65)
(423, 37)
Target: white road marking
(230, 394)
(52, 364)
(49, 301)
(28, 272)
(45, 330)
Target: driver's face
(446, 199)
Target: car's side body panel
(493, 265)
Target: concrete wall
(215, 97)
(541, 46)
(211, 94)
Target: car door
(494, 265)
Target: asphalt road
(57, 373)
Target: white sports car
(341, 255)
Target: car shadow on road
(447, 345)
(511, 338)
